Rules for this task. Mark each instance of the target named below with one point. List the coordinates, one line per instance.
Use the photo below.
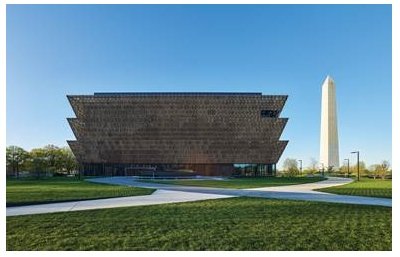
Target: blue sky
(274, 49)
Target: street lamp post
(358, 164)
(301, 166)
(348, 167)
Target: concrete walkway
(158, 197)
(174, 193)
(308, 187)
(294, 192)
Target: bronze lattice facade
(178, 133)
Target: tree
(39, 161)
(343, 169)
(54, 157)
(290, 167)
(313, 168)
(363, 169)
(15, 158)
(383, 169)
(329, 169)
(68, 160)
(374, 170)
(49, 158)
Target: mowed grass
(239, 183)
(47, 190)
(364, 187)
(223, 224)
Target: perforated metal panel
(177, 128)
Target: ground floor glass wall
(177, 170)
(254, 170)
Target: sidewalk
(174, 194)
(302, 192)
(158, 197)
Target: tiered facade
(177, 133)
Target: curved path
(167, 193)
(293, 192)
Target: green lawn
(34, 191)
(223, 224)
(365, 187)
(239, 183)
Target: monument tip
(328, 79)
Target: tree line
(381, 170)
(48, 159)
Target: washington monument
(329, 148)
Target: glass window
(269, 113)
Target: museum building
(177, 134)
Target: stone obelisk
(329, 148)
